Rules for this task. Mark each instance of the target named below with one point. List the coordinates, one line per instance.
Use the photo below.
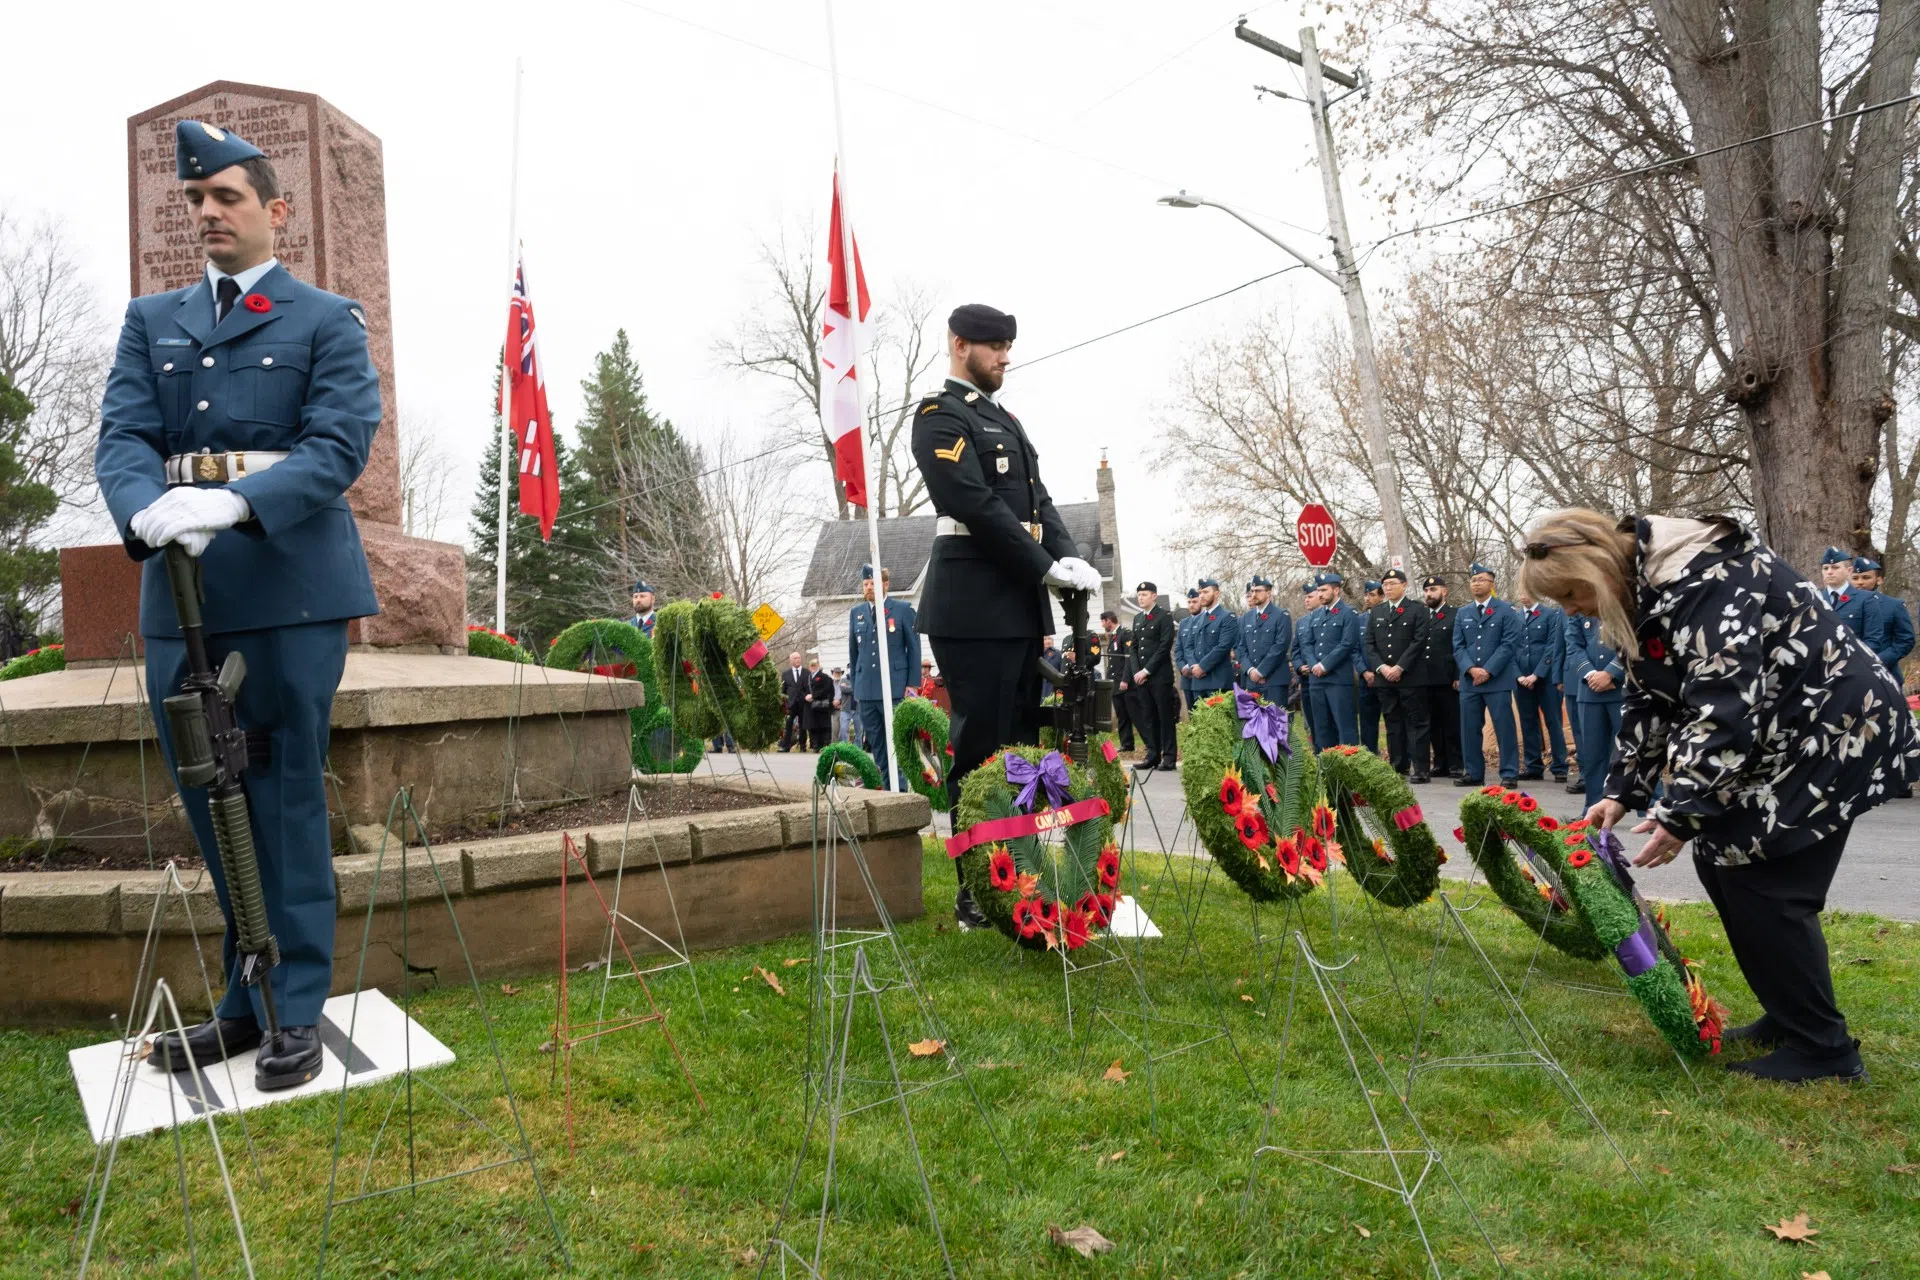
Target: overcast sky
(1008, 153)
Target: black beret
(977, 322)
(1434, 580)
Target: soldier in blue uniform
(1597, 678)
(1266, 637)
(1890, 621)
(1210, 654)
(1536, 694)
(1486, 652)
(1366, 700)
(1183, 639)
(1334, 640)
(863, 660)
(1836, 573)
(237, 412)
(643, 615)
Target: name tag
(173, 342)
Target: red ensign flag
(844, 416)
(524, 405)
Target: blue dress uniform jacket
(1543, 647)
(1850, 603)
(1598, 722)
(863, 650)
(1333, 641)
(1488, 635)
(1895, 627)
(1215, 635)
(291, 376)
(295, 378)
(1266, 638)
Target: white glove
(1084, 576)
(195, 541)
(185, 508)
(1059, 575)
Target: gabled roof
(906, 543)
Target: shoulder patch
(929, 407)
(358, 315)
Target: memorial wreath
(921, 750)
(1390, 851)
(1522, 851)
(36, 662)
(1039, 892)
(620, 650)
(713, 669)
(843, 762)
(1253, 788)
(485, 642)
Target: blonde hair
(1578, 546)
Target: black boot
(1762, 1033)
(1789, 1065)
(293, 1060)
(214, 1040)
(967, 912)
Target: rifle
(210, 750)
(1086, 701)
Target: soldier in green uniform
(998, 545)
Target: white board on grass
(384, 1043)
(1130, 921)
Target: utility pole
(1386, 480)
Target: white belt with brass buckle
(209, 467)
(948, 527)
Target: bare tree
(761, 535)
(52, 350)
(781, 340)
(426, 470)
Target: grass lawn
(658, 1189)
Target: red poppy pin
(1656, 649)
(257, 303)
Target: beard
(981, 370)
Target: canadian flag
(839, 386)
(523, 403)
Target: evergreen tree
(26, 572)
(652, 517)
(550, 585)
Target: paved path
(1879, 874)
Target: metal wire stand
(1533, 1051)
(518, 1149)
(567, 1035)
(1407, 1166)
(682, 957)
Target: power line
(1655, 166)
(1188, 306)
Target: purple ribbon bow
(1266, 723)
(1029, 777)
(1637, 952)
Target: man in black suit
(794, 682)
(999, 545)
(1115, 646)
(1156, 705)
(1398, 631)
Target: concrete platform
(78, 758)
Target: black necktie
(225, 294)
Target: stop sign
(1315, 533)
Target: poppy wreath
(1253, 788)
(675, 652)
(921, 751)
(1393, 856)
(1042, 895)
(1109, 775)
(485, 642)
(1665, 983)
(620, 650)
(842, 758)
(1530, 874)
(732, 663)
(36, 662)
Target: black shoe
(1576, 788)
(1762, 1032)
(1512, 782)
(292, 1060)
(1561, 776)
(1533, 775)
(967, 913)
(1146, 766)
(214, 1040)
(1789, 1065)
(1419, 778)
(1464, 781)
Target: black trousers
(1123, 717)
(1771, 912)
(994, 688)
(1408, 724)
(1366, 703)
(1443, 717)
(1156, 713)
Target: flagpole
(851, 266)
(507, 434)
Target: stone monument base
(79, 763)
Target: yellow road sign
(768, 620)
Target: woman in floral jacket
(1757, 727)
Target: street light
(1185, 199)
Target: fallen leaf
(942, 928)
(794, 960)
(1115, 1158)
(770, 980)
(1797, 1230)
(1115, 1074)
(1861, 960)
(1364, 1233)
(644, 1248)
(545, 1047)
(996, 1066)
(508, 989)
(1664, 1170)
(1084, 1241)
(749, 1256)
(1903, 1168)
(1815, 1275)
(1246, 997)
(926, 1048)
(72, 1209)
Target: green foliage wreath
(1390, 850)
(1040, 894)
(1529, 875)
(747, 698)
(920, 749)
(622, 651)
(1263, 821)
(36, 662)
(483, 642)
(675, 651)
(841, 758)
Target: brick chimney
(1110, 526)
